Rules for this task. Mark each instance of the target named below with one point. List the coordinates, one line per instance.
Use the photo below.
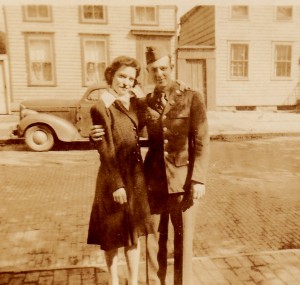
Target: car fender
(63, 129)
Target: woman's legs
(132, 255)
(111, 257)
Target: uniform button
(187, 161)
(166, 153)
(166, 141)
(164, 117)
(165, 129)
(134, 128)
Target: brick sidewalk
(265, 268)
(246, 232)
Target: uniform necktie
(163, 99)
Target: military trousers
(183, 222)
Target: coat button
(164, 117)
(166, 153)
(165, 129)
(166, 141)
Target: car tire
(39, 138)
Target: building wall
(260, 31)
(67, 31)
(198, 27)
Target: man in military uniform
(175, 166)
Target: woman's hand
(120, 196)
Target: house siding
(260, 31)
(198, 29)
(67, 32)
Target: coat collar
(110, 100)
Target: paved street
(248, 230)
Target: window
(239, 12)
(145, 15)
(93, 14)
(37, 13)
(40, 60)
(239, 61)
(282, 60)
(94, 60)
(284, 13)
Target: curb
(251, 136)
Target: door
(142, 43)
(196, 75)
(3, 95)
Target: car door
(84, 120)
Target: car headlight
(25, 112)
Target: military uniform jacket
(178, 141)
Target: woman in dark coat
(120, 212)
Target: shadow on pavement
(20, 146)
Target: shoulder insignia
(182, 86)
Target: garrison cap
(154, 53)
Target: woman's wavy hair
(118, 62)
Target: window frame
(100, 38)
(274, 61)
(229, 72)
(27, 18)
(284, 20)
(92, 21)
(42, 36)
(239, 19)
(137, 23)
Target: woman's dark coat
(113, 225)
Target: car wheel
(39, 138)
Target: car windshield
(94, 95)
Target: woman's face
(123, 80)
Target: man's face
(161, 71)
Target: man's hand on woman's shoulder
(97, 132)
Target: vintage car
(46, 122)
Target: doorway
(196, 75)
